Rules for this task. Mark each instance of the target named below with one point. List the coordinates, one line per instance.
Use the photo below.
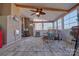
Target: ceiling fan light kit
(37, 13)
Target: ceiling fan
(38, 12)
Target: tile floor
(34, 46)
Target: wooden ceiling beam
(74, 7)
(45, 8)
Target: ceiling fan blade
(42, 13)
(32, 14)
(33, 10)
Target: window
(39, 20)
(43, 26)
(38, 26)
(70, 20)
(47, 26)
(60, 24)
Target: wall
(15, 10)
(5, 9)
(0, 8)
(9, 27)
(12, 27)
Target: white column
(57, 25)
(62, 23)
(53, 25)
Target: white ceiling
(50, 15)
